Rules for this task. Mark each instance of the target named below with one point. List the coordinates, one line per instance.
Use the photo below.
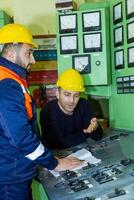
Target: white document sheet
(84, 155)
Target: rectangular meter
(68, 23)
(68, 44)
(91, 21)
(92, 42)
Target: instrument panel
(112, 178)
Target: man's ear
(11, 55)
(57, 93)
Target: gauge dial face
(119, 58)
(92, 42)
(130, 30)
(131, 56)
(118, 36)
(69, 44)
(129, 8)
(91, 21)
(82, 63)
(117, 13)
(68, 23)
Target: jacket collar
(14, 67)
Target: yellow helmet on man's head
(16, 33)
(71, 80)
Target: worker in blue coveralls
(20, 148)
(68, 120)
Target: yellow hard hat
(16, 33)
(71, 80)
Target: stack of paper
(84, 155)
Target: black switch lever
(117, 193)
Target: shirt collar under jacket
(14, 67)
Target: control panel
(112, 178)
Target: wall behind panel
(7, 6)
(38, 15)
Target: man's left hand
(92, 126)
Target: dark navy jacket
(60, 130)
(20, 149)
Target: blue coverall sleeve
(17, 128)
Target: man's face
(24, 57)
(67, 100)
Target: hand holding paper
(85, 156)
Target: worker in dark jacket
(68, 120)
(20, 148)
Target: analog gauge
(130, 32)
(118, 36)
(117, 13)
(68, 44)
(119, 59)
(92, 42)
(131, 57)
(129, 8)
(68, 23)
(91, 21)
(82, 63)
